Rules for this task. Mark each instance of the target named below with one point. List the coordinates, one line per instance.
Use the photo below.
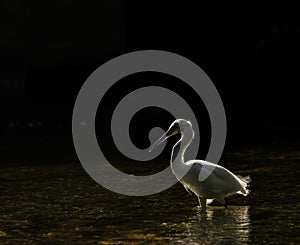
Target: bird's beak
(165, 136)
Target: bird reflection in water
(215, 226)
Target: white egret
(206, 180)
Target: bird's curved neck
(184, 142)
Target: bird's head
(178, 126)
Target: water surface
(61, 204)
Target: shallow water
(61, 204)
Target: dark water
(60, 204)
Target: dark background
(48, 49)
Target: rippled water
(60, 204)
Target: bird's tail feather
(245, 182)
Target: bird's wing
(205, 169)
(222, 178)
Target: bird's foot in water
(202, 204)
(202, 209)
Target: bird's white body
(206, 180)
(219, 183)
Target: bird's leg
(202, 202)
